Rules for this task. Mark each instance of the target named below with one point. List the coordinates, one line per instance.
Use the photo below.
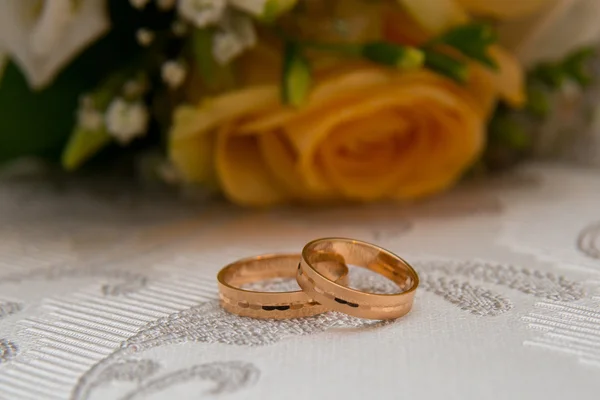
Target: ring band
(273, 305)
(338, 297)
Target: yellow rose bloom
(365, 133)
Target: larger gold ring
(276, 305)
(338, 297)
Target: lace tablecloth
(106, 296)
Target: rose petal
(228, 107)
(461, 142)
(370, 175)
(510, 78)
(281, 159)
(191, 155)
(244, 176)
(330, 87)
(483, 88)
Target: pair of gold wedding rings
(322, 273)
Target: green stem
(347, 49)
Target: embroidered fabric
(107, 294)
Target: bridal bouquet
(271, 101)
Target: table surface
(112, 295)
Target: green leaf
(472, 40)
(446, 65)
(577, 68)
(275, 8)
(342, 49)
(202, 47)
(82, 145)
(552, 75)
(469, 34)
(389, 54)
(573, 67)
(38, 123)
(215, 77)
(509, 140)
(538, 102)
(297, 76)
(508, 132)
(34, 123)
(403, 57)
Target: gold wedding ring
(276, 305)
(336, 296)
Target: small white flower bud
(202, 13)
(236, 35)
(173, 74)
(144, 37)
(126, 121)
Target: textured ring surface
(276, 305)
(336, 296)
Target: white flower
(139, 4)
(126, 121)
(173, 74)
(144, 37)
(201, 13)
(562, 27)
(236, 34)
(43, 43)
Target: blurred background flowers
(274, 101)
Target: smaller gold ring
(339, 297)
(271, 305)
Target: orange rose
(365, 133)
